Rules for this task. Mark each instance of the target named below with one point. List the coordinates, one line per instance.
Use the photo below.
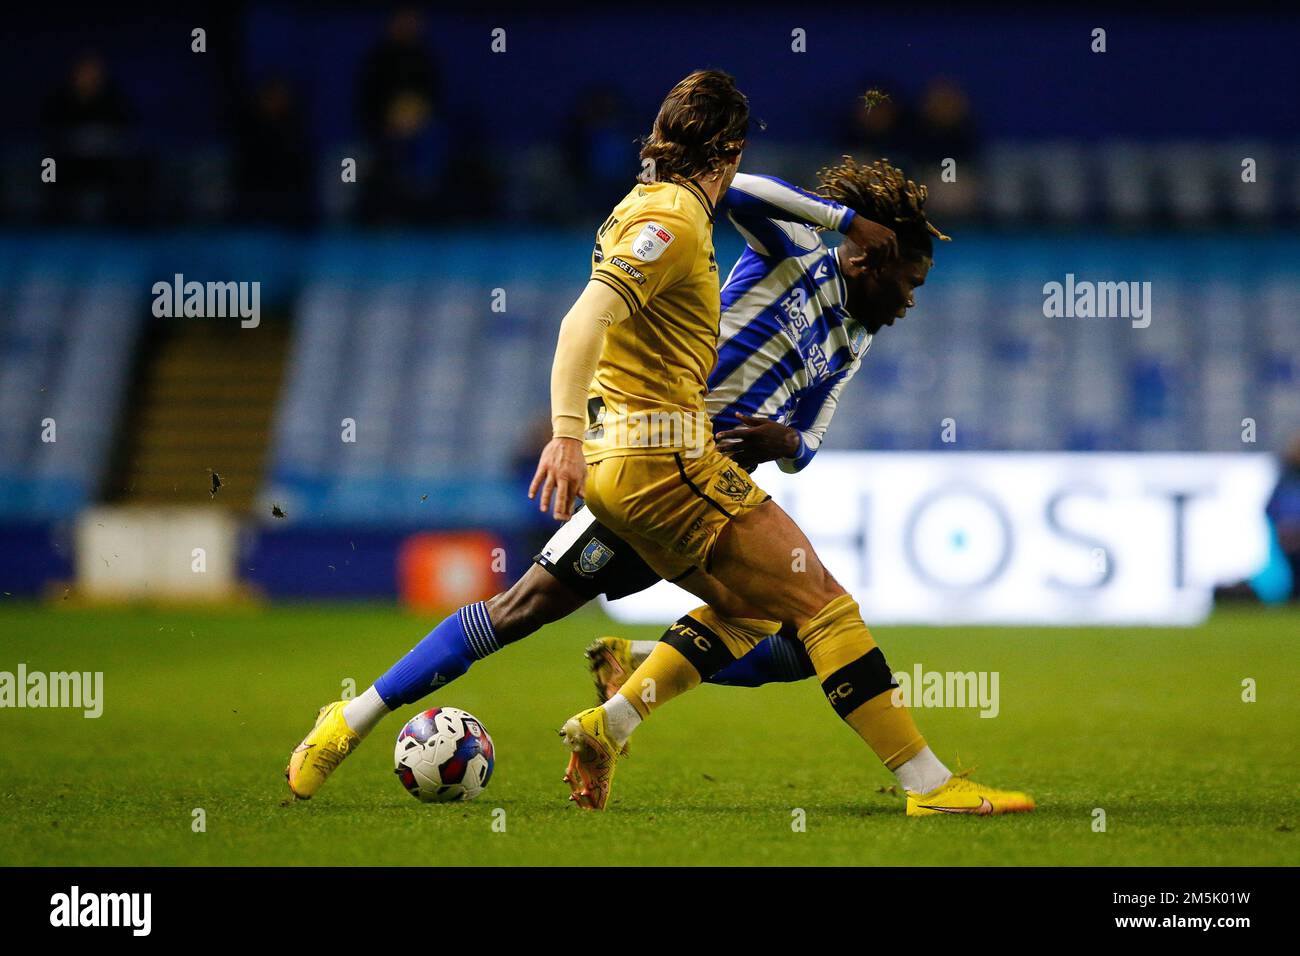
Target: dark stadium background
(482, 171)
(224, 527)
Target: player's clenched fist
(878, 244)
(561, 469)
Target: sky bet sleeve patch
(651, 242)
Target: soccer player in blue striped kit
(797, 318)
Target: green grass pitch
(203, 707)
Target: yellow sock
(663, 675)
(694, 647)
(858, 682)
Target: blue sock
(445, 654)
(775, 660)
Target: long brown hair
(701, 126)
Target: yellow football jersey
(656, 251)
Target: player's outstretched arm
(752, 198)
(561, 469)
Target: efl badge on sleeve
(651, 242)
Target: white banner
(988, 538)
(135, 552)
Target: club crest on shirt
(651, 242)
(594, 557)
(733, 484)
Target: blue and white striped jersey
(787, 345)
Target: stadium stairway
(204, 403)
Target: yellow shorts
(671, 507)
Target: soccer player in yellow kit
(633, 439)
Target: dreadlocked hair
(883, 194)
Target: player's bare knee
(811, 600)
(730, 606)
(532, 602)
(513, 612)
(501, 611)
(828, 590)
(551, 604)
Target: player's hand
(879, 244)
(563, 471)
(758, 440)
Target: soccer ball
(443, 754)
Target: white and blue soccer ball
(444, 754)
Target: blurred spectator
(420, 173)
(87, 123)
(1284, 511)
(410, 165)
(879, 127)
(398, 67)
(944, 127)
(601, 150)
(273, 161)
(945, 130)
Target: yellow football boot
(313, 760)
(961, 795)
(591, 764)
(610, 661)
